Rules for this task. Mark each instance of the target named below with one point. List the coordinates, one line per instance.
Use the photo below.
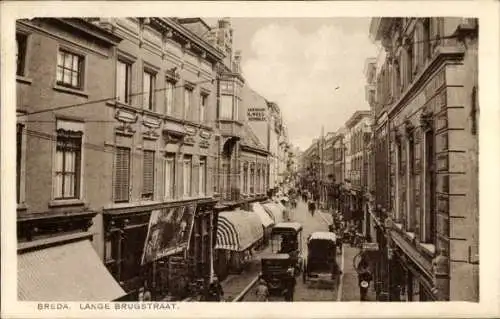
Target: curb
(242, 294)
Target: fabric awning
(238, 230)
(275, 210)
(261, 212)
(69, 272)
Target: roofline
(356, 117)
(194, 19)
(91, 29)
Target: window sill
(66, 202)
(23, 79)
(70, 91)
(22, 206)
(410, 235)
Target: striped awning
(275, 210)
(261, 212)
(238, 230)
(69, 272)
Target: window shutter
(122, 168)
(148, 173)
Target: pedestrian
(262, 292)
(364, 279)
(290, 283)
(215, 291)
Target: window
(169, 97)
(123, 81)
(67, 164)
(427, 39)
(186, 175)
(169, 180)
(252, 179)
(236, 109)
(203, 107)
(429, 216)
(148, 90)
(226, 105)
(411, 185)
(188, 99)
(122, 174)
(245, 178)
(148, 175)
(21, 41)
(202, 179)
(69, 70)
(19, 159)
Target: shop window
(21, 44)
(202, 178)
(70, 69)
(67, 163)
(148, 175)
(123, 81)
(169, 97)
(148, 90)
(122, 175)
(187, 176)
(169, 178)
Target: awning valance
(265, 218)
(238, 230)
(69, 272)
(275, 210)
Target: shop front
(266, 220)
(54, 255)
(238, 232)
(162, 248)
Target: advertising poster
(169, 232)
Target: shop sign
(256, 114)
(169, 232)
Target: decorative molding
(125, 130)
(426, 120)
(205, 134)
(151, 122)
(204, 144)
(190, 130)
(126, 116)
(188, 140)
(409, 129)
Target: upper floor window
(148, 175)
(123, 81)
(69, 69)
(187, 176)
(203, 106)
(148, 89)
(188, 99)
(226, 107)
(21, 41)
(427, 39)
(169, 179)
(19, 158)
(67, 176)
(202, 179)
(122, 174)
(169, 97)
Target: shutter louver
(122, 168)
(148, 174)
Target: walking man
(262, 291)
(290, 285)
(364, 279)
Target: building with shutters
(426, 141)
(63, 162)
(159, 217)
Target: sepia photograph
(227, 158)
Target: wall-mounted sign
(256, 114)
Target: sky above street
(313, 68)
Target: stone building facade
(428, 88)
(359, 127)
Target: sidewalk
(349, 286)
(234, 284)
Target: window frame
(21, 67)
(169, 190)
(80, 69)
(202, 177)
(151, 91)
(128, 81)
(148, 191)
(128, 152)
(189, 191)
(203, 107)
(170, 101)
(187, 105)
(63, 142)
